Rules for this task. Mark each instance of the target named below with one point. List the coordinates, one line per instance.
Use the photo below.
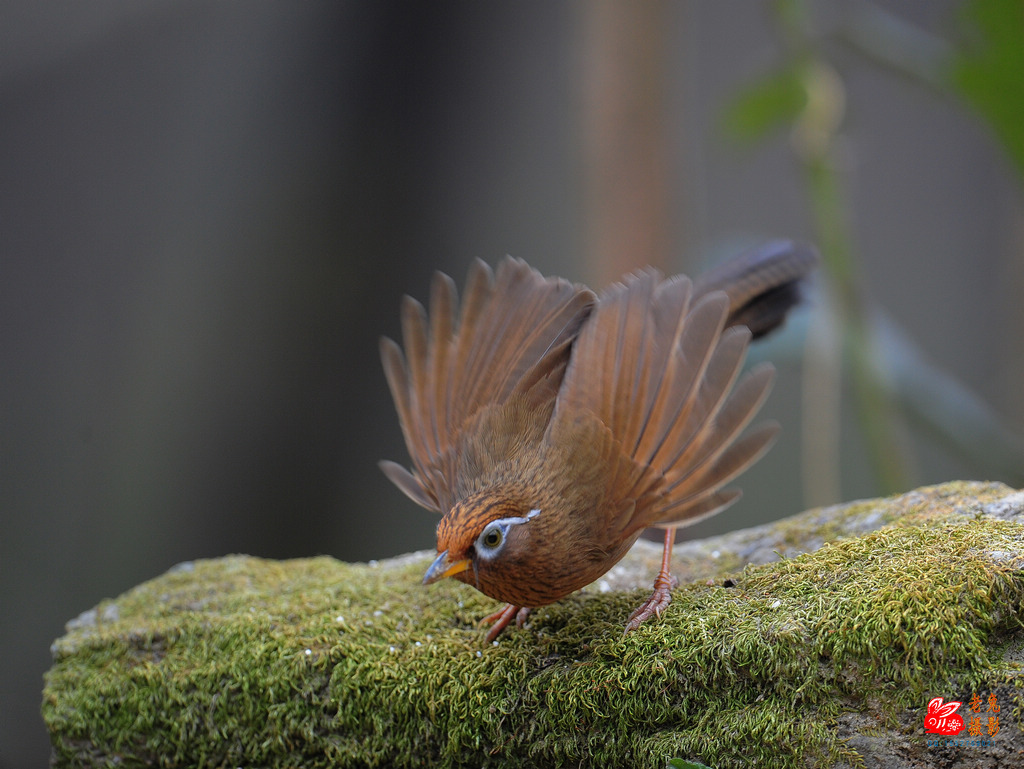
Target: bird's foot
(502, 618)
(656, 604)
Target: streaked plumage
(550, 427)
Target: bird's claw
(502, 618)
(656, 604)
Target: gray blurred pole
(626, 169)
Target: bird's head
(488, 540)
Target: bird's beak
(444, 567)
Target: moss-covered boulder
(816, 641)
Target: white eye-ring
(492, 538)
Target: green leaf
(988, 70)
(765, 105)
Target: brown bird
(550, 426)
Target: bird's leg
(663, 586)
(502, 618)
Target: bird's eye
(492, 537)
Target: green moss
(241, 661)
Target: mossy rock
(817, 659)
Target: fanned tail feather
(763, 284)
(657, 363)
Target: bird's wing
(657, 366)
(513, 334)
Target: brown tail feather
(763, 284)
(651, 362)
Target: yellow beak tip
(443, 567)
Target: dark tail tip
(763, 284)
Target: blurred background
(209, 212)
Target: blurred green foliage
(982, 67)
(766, 105)
(988, 69)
